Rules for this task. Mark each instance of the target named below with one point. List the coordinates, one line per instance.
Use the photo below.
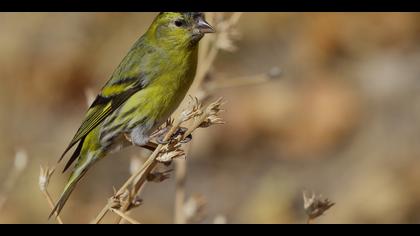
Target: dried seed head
(167, 157)
(171, 146)
(118, 199)
(44, 178)
(211, 114)
(193, 110)
(315, 206)
(215, 107)
(211, 120)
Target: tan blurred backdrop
(343, 120)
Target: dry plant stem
(147, 169)
(102, 213)
(43, 181)
(120, 220)
(142, 172)
(124, 216)
(108, 206)
(148, 164)
(180, 193)
(51, 203)
(181, 172)
(315, 206)
(138, 186)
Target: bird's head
(178, 29)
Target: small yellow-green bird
(141, 94)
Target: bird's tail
(77, 174)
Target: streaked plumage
(141, 94)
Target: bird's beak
(204, 27)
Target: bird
(141, 94)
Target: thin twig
(180, 193)
(51, 203)
(315, 206)
(146, 168)
(124, 216)
(152, 159)
(44, 179)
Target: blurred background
(343, 120)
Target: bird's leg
(160, 132)
(137, 137)
(149, 145)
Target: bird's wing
(112, 96)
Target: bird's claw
(179, 132)
(159, 140)
(187, 139)
(160, 135)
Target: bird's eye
(179, 23)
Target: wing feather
(129, 78)
(101, 108)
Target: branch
(44, 179)
(124, 216)
(201, 118)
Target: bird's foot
(160, 132)
(179, 132)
